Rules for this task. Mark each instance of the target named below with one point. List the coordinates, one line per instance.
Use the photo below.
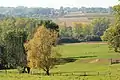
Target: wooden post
(111, 61)
(72, 73)
(85, 74)
(98, 73)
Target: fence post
(72, 74)
(60, 74)
(85, 74)
(111, 61)
(98, 73)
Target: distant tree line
(45, 13)
(80, 32)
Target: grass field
(91, 62)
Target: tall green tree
(112, 35)
(14, 47)
(14, 32)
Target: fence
(112, 61)
(81, 73)
(77, 73)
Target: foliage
(85, 32)
(109, 36)
(40, 50)
(20, 69)
(14, 50)
(14, 32)
(92, 38)
(100, 25)
(112, 35)
(66, 32)
(78, 30)
(68, 40)
(50, 25)
(46, 13)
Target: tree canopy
(40, 50)
(112, 35)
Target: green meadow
(89, 61)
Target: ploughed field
(82, 61)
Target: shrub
(68, 40)
(92, 38)
(20, 69)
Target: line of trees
(15, 32)
(40, 12)
(85, 32)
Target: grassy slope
(83, 53)
(79, 50)
(87, 52)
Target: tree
(66, 32)
(100, 25)
(40, 50)
(87, 29)
(81, 30)
(78, 31)
(14, 32)
(14, 54)
(112, 35)
(50, 25)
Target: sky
(57, 3)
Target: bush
(20, 69)
(92, 38)
(68, 40)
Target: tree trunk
(116, 49)
(47, 72)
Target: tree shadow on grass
(71, 59)
(83, 57)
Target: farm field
(89, 62)
(86, 18)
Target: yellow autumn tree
(41, 52)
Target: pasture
(88, 61)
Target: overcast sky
(58, 3)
